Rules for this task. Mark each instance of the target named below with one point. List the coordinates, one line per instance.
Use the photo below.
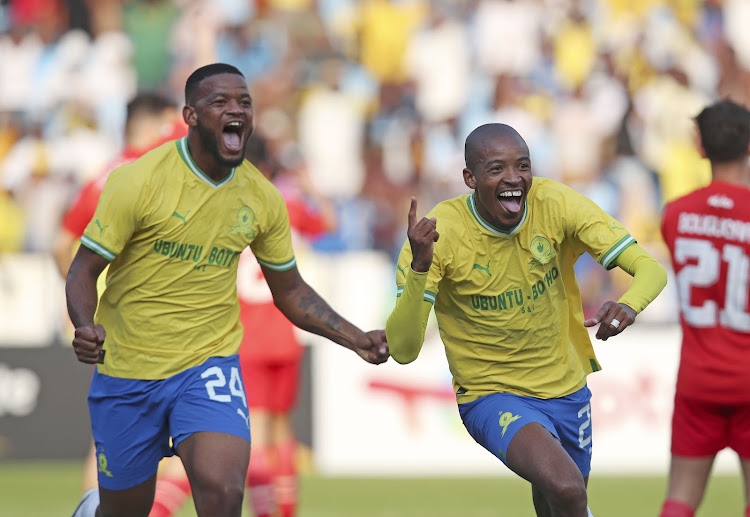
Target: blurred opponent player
(270, 353)
(708, 235)
(502, 281)
(151, 120)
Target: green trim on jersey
(97, 248)
(609, 257)
(182, 148)
(429, 296)
(285, 266)
(472, 204)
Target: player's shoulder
(249, 174)
(549, 189)
(715, 196)
(451, 207)
(149, 162)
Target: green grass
(49, 489)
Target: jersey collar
(182, 148)
(472, 204)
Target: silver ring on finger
(615, 323)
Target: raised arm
(305, 308)
(406, 325)
(80, 290)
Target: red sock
(285, 478)
(747, 511)
(259, 482)
(171, 492)
(675, 508)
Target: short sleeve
(82, 209)
(273, 246)
(117, 214)
(603, 236)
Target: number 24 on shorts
(218, 380)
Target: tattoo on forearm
(333, 321)
(314, 307)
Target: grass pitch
(49, 489)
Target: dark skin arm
(80, 291)
(306, 309)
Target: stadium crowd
(373, 99)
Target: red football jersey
(708, 235)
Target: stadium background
(372, 99)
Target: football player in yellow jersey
(166, 331)
(497, 265)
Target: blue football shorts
(133, 420)
(493, 421)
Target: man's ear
(469, 179)
(189, 116)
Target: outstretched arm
(649, 278)
(80, 290)
(305, 308)
(406, 324)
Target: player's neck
(206, 161)
(732, 172)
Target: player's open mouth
(232, 136)
(511, 200)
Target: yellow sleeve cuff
(649, 277)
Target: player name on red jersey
(713, 226)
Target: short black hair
(148, 103)
(191, 85)
(725, 131)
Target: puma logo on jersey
(483, 268)
(181, 218)
(101, 228)
(719, 201)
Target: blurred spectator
(385, 28)
(331, 133)
(148, 24)
(497, 22)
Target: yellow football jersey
(507, 303)
(174, 237)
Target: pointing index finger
(413, 213)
